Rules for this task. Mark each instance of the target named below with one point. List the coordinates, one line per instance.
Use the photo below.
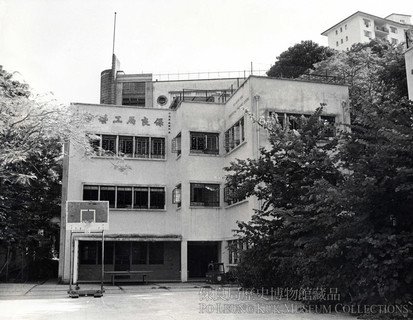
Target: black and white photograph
(206, 160)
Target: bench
(113, 274)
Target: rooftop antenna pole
(114, 34)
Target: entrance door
(200, 254)
(122, 256)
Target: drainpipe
(256, 99)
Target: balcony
(381, 31)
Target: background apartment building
(362, 27)
(170, 212)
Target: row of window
(127, 197)
(200, 142)
(291, 120)
(341, 41)
(208, 142)
(130, 146)
(121, 253)
(341, 29)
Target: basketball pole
(70, 268)
(103, 260)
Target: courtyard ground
(188, 301)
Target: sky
(61, 46)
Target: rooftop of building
(324, 33)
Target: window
(234, 135)
(126, 146)
(133, 94)
(124, 197)
(366, 23)
(346, 38)
(88, 253)
(341, 29)
(177, 195)
(108, 194)
(162, 100)
(294, 120)
(141, 198)
(336, 32)
(127, 197)
(157, 196)
(202, 142)
(139, 252)
(176, 144)
(204, 195)
(336, 43)
(109, 144)
(329, 121)
(90, 193)
(231, 196)
(142, 147)
(345, 27)
(157, 148)
(130, 146)
(393, 29)
(156, 252)
(341, 40)
(108, 257)
(234, 249)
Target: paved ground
(188, 301)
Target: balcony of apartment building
(380, 30)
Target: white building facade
(362, 27)
(169, 210)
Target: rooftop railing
(207, 75)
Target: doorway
(200, 254)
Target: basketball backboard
(87, 216)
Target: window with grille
(142, 147)
(109, 144)
(133, 94)
(129, 146)
(176, 145)
(126, 146)
(204, 142)
(158, 148)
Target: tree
(346, 221)
(32, 131)
(299, 59)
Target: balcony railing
(381, 29)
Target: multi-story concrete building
(169, 210)
(362, 27)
